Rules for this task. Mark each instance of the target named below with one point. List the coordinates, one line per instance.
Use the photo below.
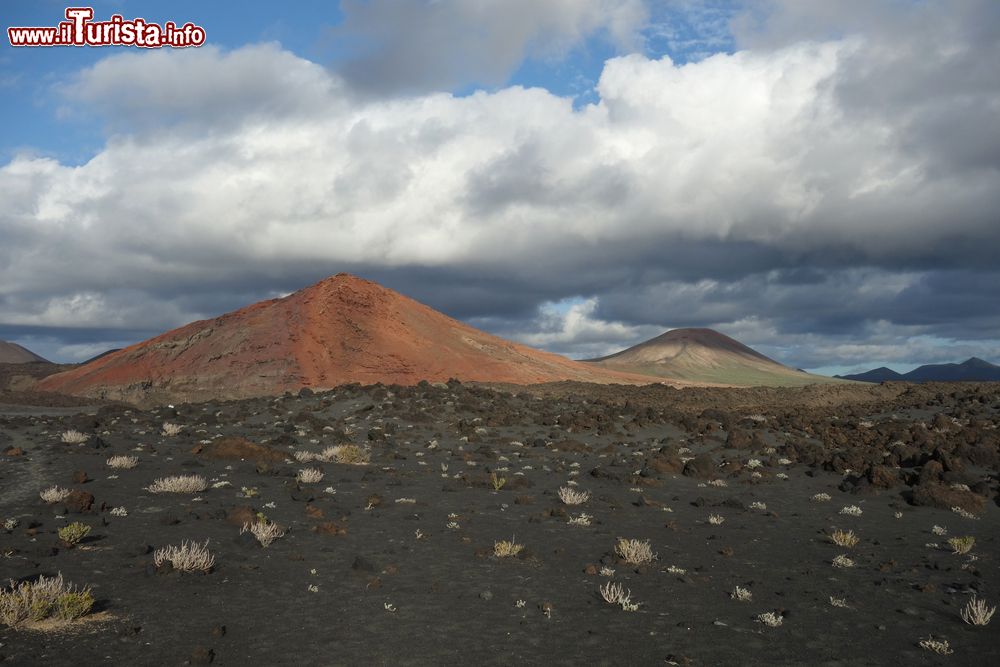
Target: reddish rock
(667, 465)
(13, 451)
(945, 497)
(241, 515)
(78, 502)
(330, 528)
(80, 477)
(882, 477)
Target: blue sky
(815, 179)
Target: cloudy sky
(820, 180)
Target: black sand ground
(392, 563)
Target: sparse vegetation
(71, 534)
(962, 545)
(614, 593)
(346, 454)
(188, 557)
(821, 498)
(939, 646)
(844, 538)
(977, 612)
(179, 484)
(264, 530)
(309, 476)
(842, 561)
(716, 519)
(498, 482)
(571, 496)
(123, 462)
(771, 619)
(73, 437)
(171, 430)
(33, 601)
(851, 510)
(741, 594)
(54, 494)
(635, 552)
(507, 548)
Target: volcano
(341, 330)
(704, 356)
(12, 353)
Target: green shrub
(71, 605)
(74, 532)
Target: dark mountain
(881, 374)
(971, 370)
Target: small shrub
(939, 646)
(123, 462)
(303, 456)
(571, 496)
(71, 605)
(188, 557)
(977, 613)
(614, 593)
(844, 538)
(74, 532)
(821, 498)
(35, 601)
(172, 429)
(497, 482)
(759, 506)
(265, 531)
(716, 519)
(54, 494)
(635, 552)
(771, 619)
(741, 594)
(507, 549)
(851, 510)
(838, 602)
(962, 545)
(179, 484)
(346, 454)
(72, 437)
(582, 520)
(309, 476)
(842, 561)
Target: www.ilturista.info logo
(80, 30)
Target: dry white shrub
(754, 463)
(179, 484)
(309, 476)
(851, 510)
(572, 496)
(265, 531)
(721, 483)
(759, 506)
(303, 456)
(716, 519)
(976, 612)
(37, 600)
(188, 557)
(771, 619)
(939, 530)
(821, 497)
(635, 552)
(118, 511)
(582, 520)
(940, 647)
(54, 494)
(72, 437)
(965, 514)
(507, 548)
(844, 538)
(741, 594)
(123, 462)
(838, 602)
(172, 429)
(615, 594)
(842, 561)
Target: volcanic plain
(562, 523)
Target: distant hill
(12, 353)
(971, 370)
(705, 356)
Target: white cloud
(226, 168)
